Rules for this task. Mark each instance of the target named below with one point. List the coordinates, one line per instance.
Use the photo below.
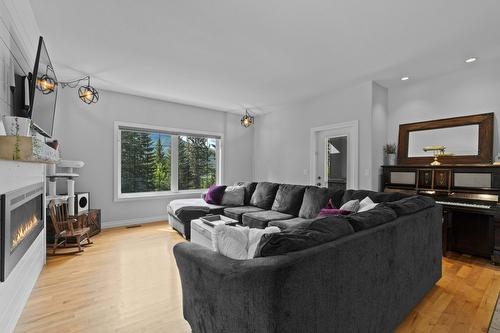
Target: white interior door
(334, 159)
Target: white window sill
(160, 195)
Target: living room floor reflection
(128, 282)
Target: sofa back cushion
(371, 218)
(264, 194)
(249, 189)
(233, 196)
(289, 199)
(411, 204)
(315, 198)
(316, 233)
(376, 197)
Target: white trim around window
(175, 132)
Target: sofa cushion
(318, 232)
(261, 219)
(374, 196)
(249, 189)
(289, 199)
(215, 194)
(351, 206)
(233, 196)
(315, 198)
(411, 204)
(236, 213)
(372, 218)
(290, 223)
(264, 195)
(192, 208)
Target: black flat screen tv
(43, 92)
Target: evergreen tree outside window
(154, 162)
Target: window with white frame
(156, 161)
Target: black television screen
(43, 92)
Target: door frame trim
(351, 129)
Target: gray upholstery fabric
(368, 281)
(318, 232)
(411, 204)
(236, 213)
(264, 195)
(233, 196)
(181, 219)
(261, 219)
(249, 189)
(375, 196)
(351, 205)
(289, 199)
(371, 218)
(290, 223)
(315, 198)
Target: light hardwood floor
(128, 282)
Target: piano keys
(469, 195)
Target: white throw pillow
(231, 241)
(366, 204)
(254, 236)
(351, 205)
(233, 196)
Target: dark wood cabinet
(469, 195)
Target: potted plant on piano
(390, 153)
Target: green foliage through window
(146, 162)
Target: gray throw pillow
(233, 196)
(351, 205)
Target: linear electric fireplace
(21, 222)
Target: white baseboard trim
(128, 222)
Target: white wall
(473, 90)
(380, 104)
(282, 146)
(85, 133)
(18, 42)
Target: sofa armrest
(227, 288)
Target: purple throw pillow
(333, 211)
(215, 194)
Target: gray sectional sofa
(264, 204)
(359, 273)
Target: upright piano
(469, 195)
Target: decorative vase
(391, 159)
(17, 126)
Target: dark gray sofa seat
(365, 282)
(288, 224)
(236, 213)
(261, 219)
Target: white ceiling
(228, 54)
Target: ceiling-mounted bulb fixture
(86, 93)
(247, 120)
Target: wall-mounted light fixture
(247, 119)
(45, 83)
(86, 93)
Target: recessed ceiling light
(470, 60)
(404, 78)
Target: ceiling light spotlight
(405, 78)
(470, 60)
(247, 120)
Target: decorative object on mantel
(18, 126)
(247, 119)
(438, 151)
(390, 153)
(26, 149)
(86, 92)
